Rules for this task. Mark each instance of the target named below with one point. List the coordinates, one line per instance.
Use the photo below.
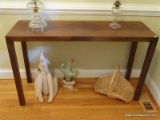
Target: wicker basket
(115, 86)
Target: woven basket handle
(117, 71)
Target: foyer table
(72, 31)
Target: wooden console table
(91, 31)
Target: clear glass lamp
(36, 7)
(116, 10)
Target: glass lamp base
(114, 25)
(37, 22)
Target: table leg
(131, 59)
(26, 61)
(15, 68)
(145, 68)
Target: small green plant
(68, 71)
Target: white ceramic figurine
(44, 82)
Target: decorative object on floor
(36, 6)
(115, 86)
(116, 10)
(44, 82)
(69, 74)
(146, 103)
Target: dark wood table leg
(131, 59)
(15, 68)
(145, 69)
(26, 61)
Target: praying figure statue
(45, 83)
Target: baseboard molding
(83, 73)
(155, 91)
(19, 7)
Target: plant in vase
(69, 74)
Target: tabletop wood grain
(82, 31)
